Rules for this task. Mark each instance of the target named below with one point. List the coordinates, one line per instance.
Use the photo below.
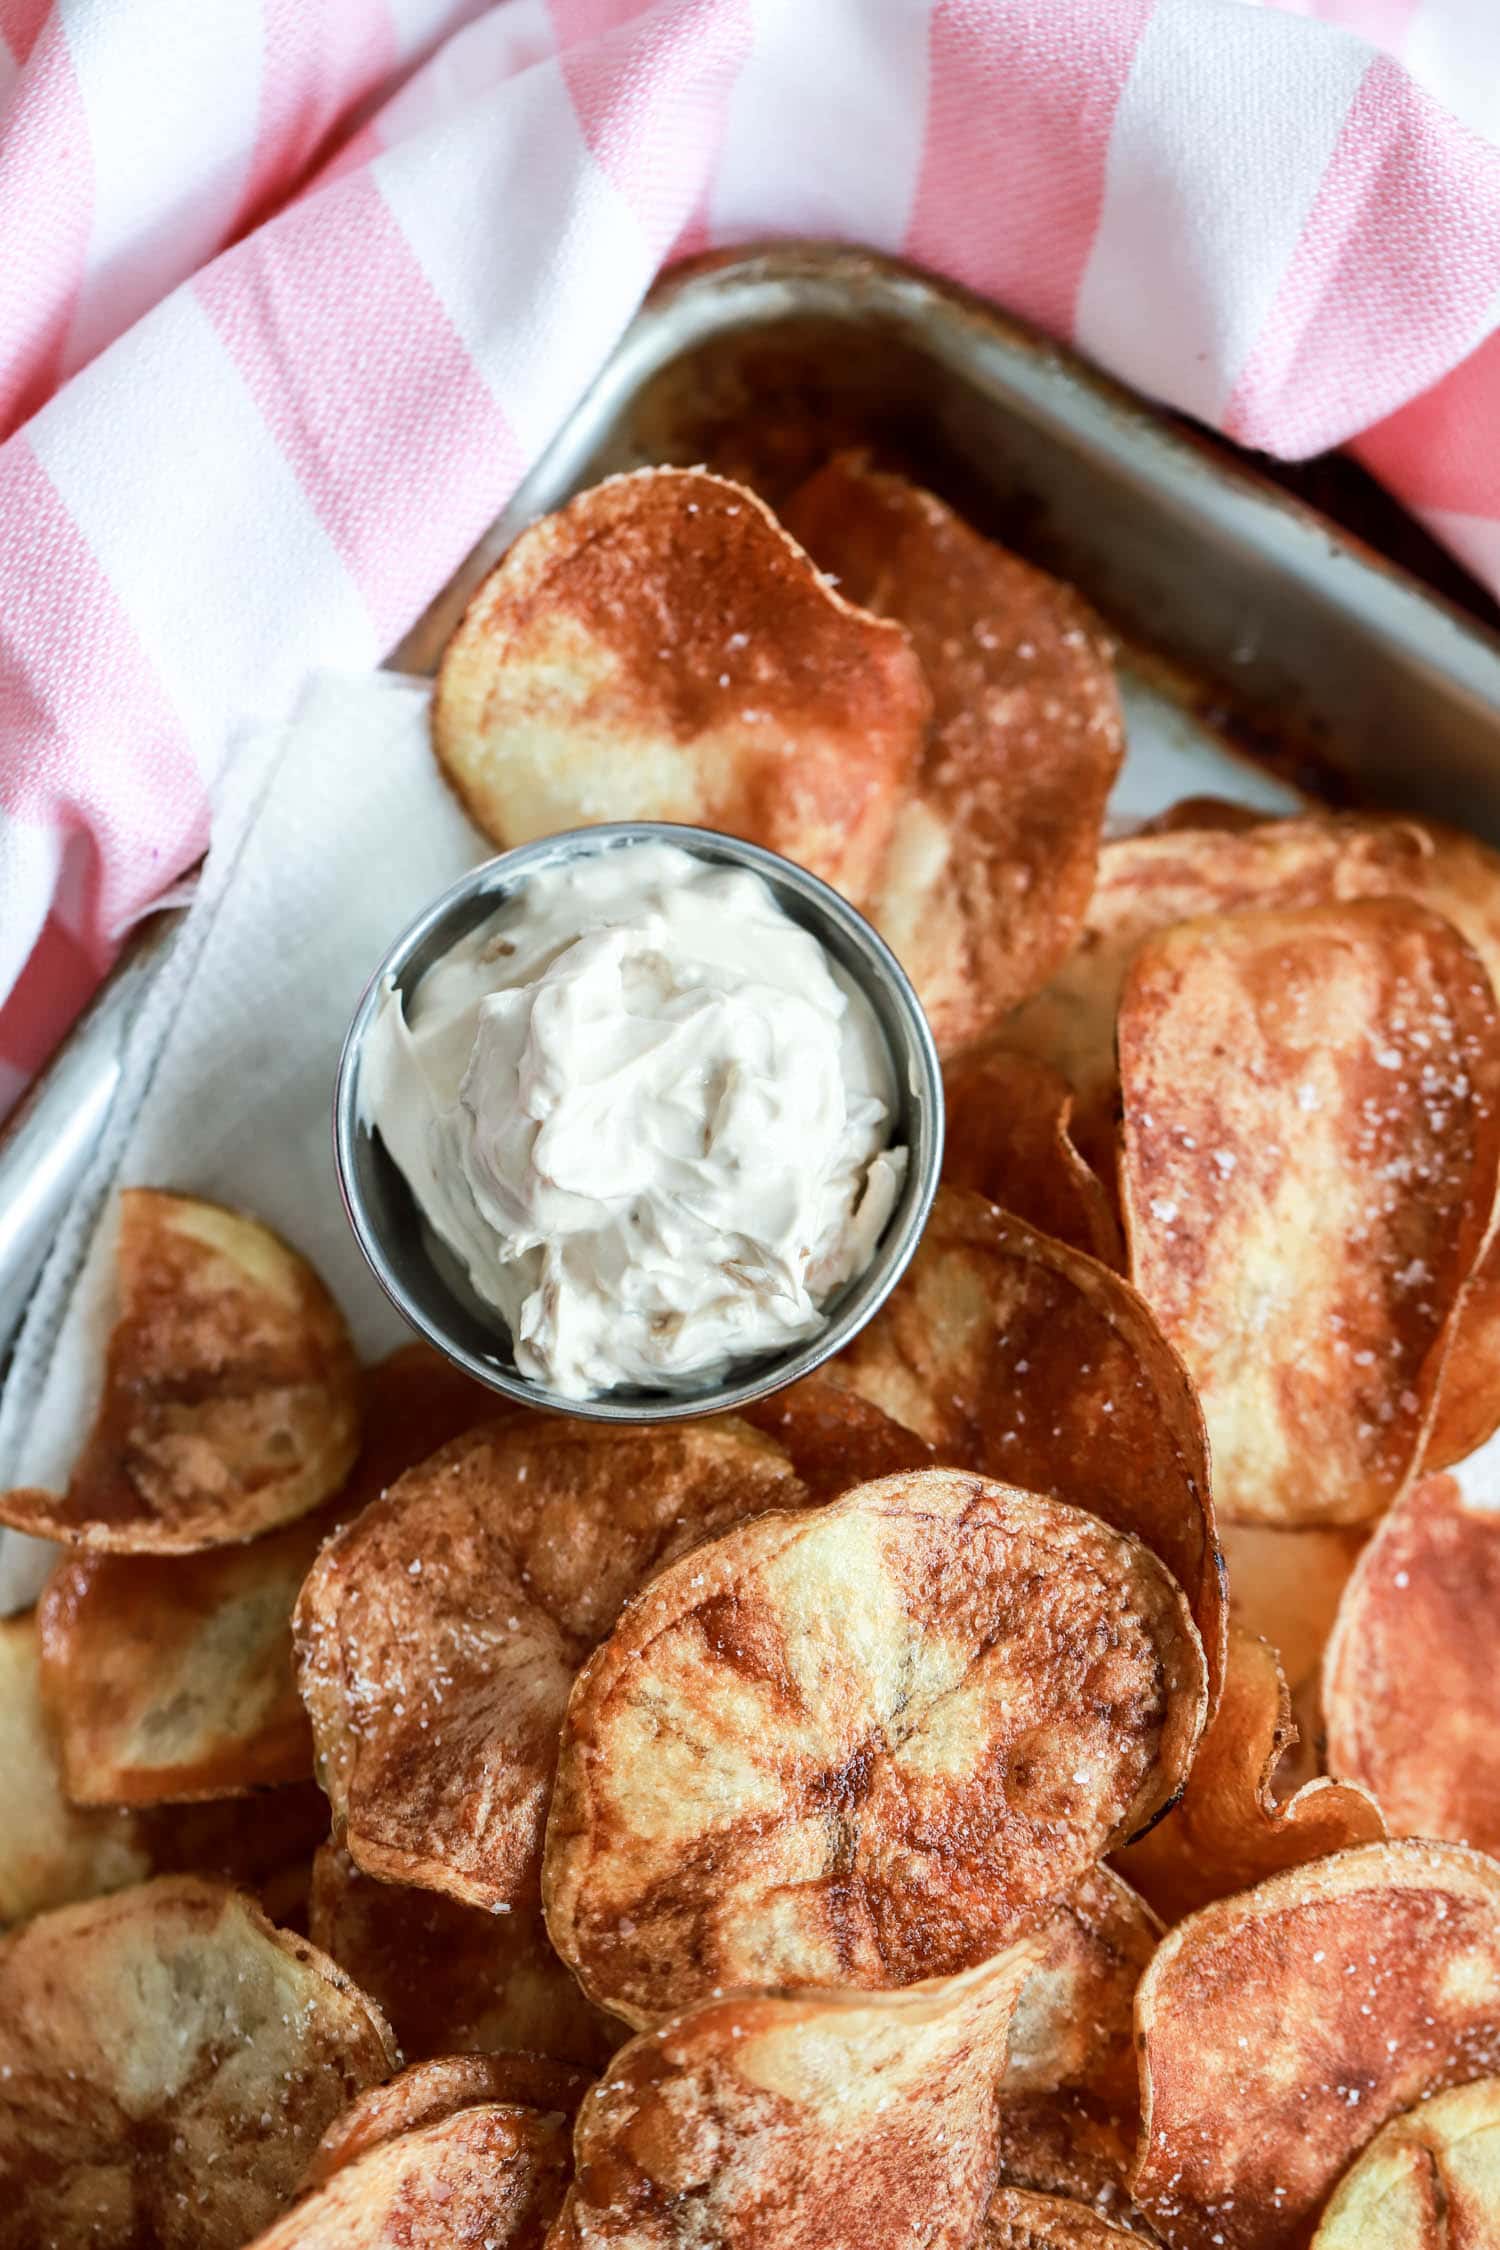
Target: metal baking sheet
(1265, 655)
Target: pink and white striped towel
(290, 296)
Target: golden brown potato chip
(438, 1636)
(833, 1438)
(1074, 2145)
(1013, 1354)
(1018, 2220)
(1428, 2181)
(818, 2119)
(230, 1400)
(987, 875)
(1285, 1586)
(1074, 2026)
(452, 1977)
(1411, 1687)
(1312, 1130)
(1007, 1138)
(857, 1746)
(429, 2090)
(1279, 2030)
(660, 649)
(490, 2175)
(168, 2061)
(1228, 1831)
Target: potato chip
(429, 2090)
(1312, 1131)
(1012, 1354)
(1411, 1693)
(1018, 2220)
(1007, 1137)
(818, 2118)
(1285, 1587)
(1428, 2181)
(1229, 1831)
(833, 1438)
(660, 649)
(230, 1400)
(1074, 2023)
(857, 1746)
(1074, 2145)
(438, 1636)
(489, 2174)
(450, 1977)
(1279, 2030)
(988, 873)
(168, 2062)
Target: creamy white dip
(649, 1114)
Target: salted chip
(854, 1747)
(168, 2063)
(488, 2174)
(989, 870)
(1279, 2030)
(430, 2090)
(1411, 1694)
(1229, 1829)
(1286, 1586)
(1073, 2145)
(1311, 1137)
(833, 1438)
(438, 1637)
(849, 2117)
(1019, 2220)
(1428, 2181)
(452, 1977)
(1011, 1353)
(1074, 2024)
(660, 649)
(1007, 1138)
(230, 1401)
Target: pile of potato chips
(1030, 1787)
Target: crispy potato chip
(430, 2090)
(1074, 2145)
(818, 2119)
(833, 1438)
(230, 1400)
(452, 1977)
(1007, 1138)
(168, 2061)
(437, 1637)
(1311, 1137)
(489, 2174)
(1228, 1831)
(1428, 2181)
(1012, 1354)
(1019, 2220)
(988, 873)
(1074, 2025)
(1285, 1586)
(1280, 2029)
(1411, 1690)
(857, 1746)
(170, 1677)
(660, 649)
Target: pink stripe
(1018, 126)
(1392, 281)
(20, 25)
(1441, 451)
(46, 194)
(576, 21)
(320, 63)
(369, 391)
(59, 978)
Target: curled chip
(1007, 1137)
(488, 2174)
(437, 1637)
(1015, 1355)
(660, 649)
(1279, 2030)
(170, 1677)
(987, 876)
(168, 2062)
(852, 2117)
(1312, 1129)
(1428, 2181)
(1285, 1586)
(1228, 1831)
(1019, 2220)
(230, 1400)
(1074, 2024)
(856, 1746)
(833, 1438)
(453, 1977)
(430, 2090)
(1071, 2145)
(1411, 1694)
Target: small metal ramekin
(426, 1282)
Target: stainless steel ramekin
(427, 1284)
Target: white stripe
(1452, 49)
(532, 251)
(200, 525)
(474, 62)
(826, 122)
(171, 95)
(419, 24)
(1223, 134)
